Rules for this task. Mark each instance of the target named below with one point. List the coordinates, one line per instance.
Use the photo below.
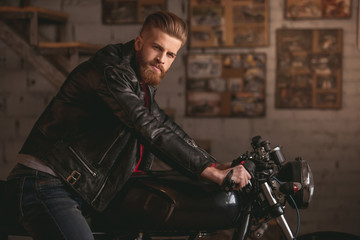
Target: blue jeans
(46, 207)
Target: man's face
(155, 52)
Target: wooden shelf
(11, 12)
(19, 28)
(65, 47)
(36, 16)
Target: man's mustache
(156, 64)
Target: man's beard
(146, 71)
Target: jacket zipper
(98, 193)
(194, 145)
(101, 160)
(202, 151)
(82, 161)
(106, 152)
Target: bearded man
(102, 126)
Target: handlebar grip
(228, 184)
(248, 164)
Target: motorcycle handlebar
(228, 184)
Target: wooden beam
(35, 17)
(34, 29)
(11, 12)
(66, 54)
(25, 51)
(56, 47)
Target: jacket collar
(125, 55)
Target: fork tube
(243, 229)
(280, 219)
(284, 227)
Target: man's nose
(160, 58)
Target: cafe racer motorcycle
(166, 203)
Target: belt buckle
(73, 177)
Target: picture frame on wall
(129, 11)
(317, 9)
(228, 23)
(226, 85)
(309, 68)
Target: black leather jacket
(91, 131)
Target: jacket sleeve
(166, 140)
(163, 118)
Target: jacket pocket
(82, 161)
(109, 148)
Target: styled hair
(167, 22)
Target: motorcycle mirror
(255, 142)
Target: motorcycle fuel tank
(167, 200)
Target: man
(103, 125)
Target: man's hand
(240, 176)
(217, 174)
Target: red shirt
(141, 146)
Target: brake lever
(248, 187)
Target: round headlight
(298, 171)
(307, 183)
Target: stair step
(65, 47)
(36, 16)
(12, 12)
(19, 28)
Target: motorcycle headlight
(299, 171)
(307, 183)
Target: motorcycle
(168, 204)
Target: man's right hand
(240, 176)
(218, 174)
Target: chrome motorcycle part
(259, 232)
(298, 172)
(307, 182)
(277, 211)
(277, 156)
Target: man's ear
(138, 43)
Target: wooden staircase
(19, 30)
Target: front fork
(241, 232)
(277, 211)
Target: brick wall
(328, 139)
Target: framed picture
(129, 11)
(226, 85)
(228, 23)
(317, 9)
(309, 68)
